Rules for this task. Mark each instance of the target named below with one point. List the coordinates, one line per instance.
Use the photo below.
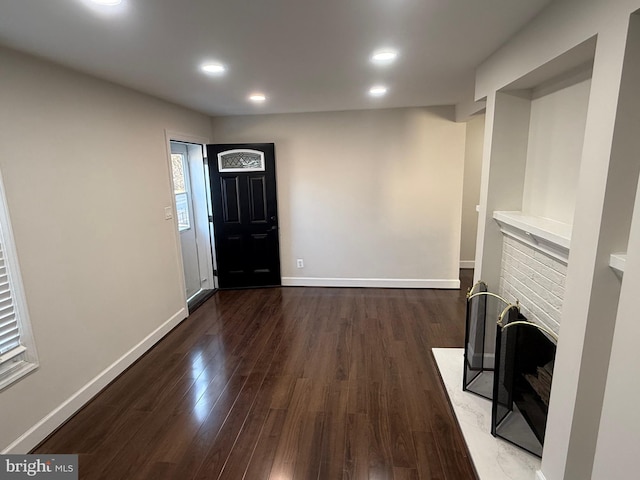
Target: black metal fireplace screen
(517, 379)
(482, 307)
(525, 354)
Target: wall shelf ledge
(617, 261)
(548, 236)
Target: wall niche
(536, 151)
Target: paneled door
(245, 214)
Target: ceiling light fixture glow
(109, 3)
(213, 68)
(384, 57)
(378, 91)
(257, 97)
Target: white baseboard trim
(540, 475)
(370, 282)
(64, 411)
(467, 264)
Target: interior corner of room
(343, 197)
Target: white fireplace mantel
(543, 234)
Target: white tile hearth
(493, 458)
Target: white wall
(471, 189)
(591, 294)
(616, 456)
(502, 180)
(556, 134)
(618, 445)
(87, 179)
(364, 194)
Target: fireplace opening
(525, 355)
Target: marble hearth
(493, 458)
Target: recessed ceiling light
(384, 57)
(213, 68)
(107, 2)
(378, 91)
(257, 97)
(107, 7)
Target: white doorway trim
(208, 259)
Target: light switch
(168, 213)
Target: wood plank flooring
(284, 384)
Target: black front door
(245, 214)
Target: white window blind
(17, 350)
(9, 328)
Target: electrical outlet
(168, 213)
(300, 263)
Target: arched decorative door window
(241, 161)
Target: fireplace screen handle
(546, 330)
(478, 284)
(489, 294)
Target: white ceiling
(305, 55)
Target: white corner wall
(616, 456)
(86, 176)
(471, 189)
(592, 290)
(365, 198)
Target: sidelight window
(180, 190)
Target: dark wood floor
(284, 384)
